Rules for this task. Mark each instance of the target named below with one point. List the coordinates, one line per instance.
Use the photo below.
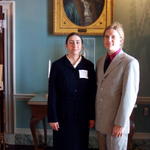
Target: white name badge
(83, 74)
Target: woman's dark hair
(72, 34)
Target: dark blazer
(71, 101)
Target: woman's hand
(91, 123)
(54, 126)
(117, 131)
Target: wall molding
(141, 135)
(143, 100)
(28, 131)
(8, 8)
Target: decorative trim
(63, 25)
(28, 131)
(141, 135)
(143, 100)
(23, 96)
(9, 47)
(9, 139)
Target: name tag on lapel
(83, 74)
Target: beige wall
(135, 17)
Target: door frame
(9, 63)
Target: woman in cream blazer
(117, 89)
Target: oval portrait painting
(83, 12)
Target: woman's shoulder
(87, 61)
(59, 60)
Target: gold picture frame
(63, 25)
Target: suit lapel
(114, 63)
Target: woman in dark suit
(71, 97)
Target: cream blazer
(117, 91)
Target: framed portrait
(86, 17)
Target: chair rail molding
(143, 100)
